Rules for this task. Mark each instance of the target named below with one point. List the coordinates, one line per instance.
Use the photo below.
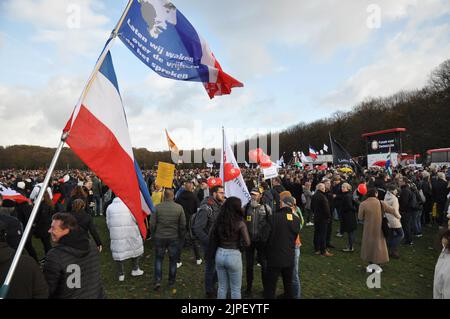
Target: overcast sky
(299, 61)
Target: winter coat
(256, 220)
(440, 191)
(285, 227)
(321, 208)
(43, 220)
(373, 244)
(307, 195)
(86, 223)
(74, 249)
(441, 285)
(407, 201)
(126, 240)
(189, 203)
(393, 219)
(14, 230)
(348, 212)
(168, 221)
(28, 281)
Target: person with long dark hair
(227, 234)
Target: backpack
(192, 222)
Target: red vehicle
(438, 157)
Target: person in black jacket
(439, 193)
(43, 221)
(321, 210)
(348, 214)
(28, 281)
(13, 226)
(408, 203)
(85, 221)
(72, 268)
(276, 190)
(190, 203)
(205, 217)
(285, 227)
(425, 187)
(23, 212)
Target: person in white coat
(396, 233)
(126, 240)
(441, 287)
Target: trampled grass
(340, 276)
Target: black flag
(342, 157)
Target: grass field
(340, 276)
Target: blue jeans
(210, 270)
(229, 272)
(417, 222)
(160, 250)
(395, 237)
(296, 286)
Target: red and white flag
(11, 194)
(312, 153)
(231, 174)
(98, 134)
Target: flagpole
(5, 287)
(331, 145)
(221, 172)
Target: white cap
(66, 178)
(21, 185)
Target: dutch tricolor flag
(98, 134)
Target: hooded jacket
(72, 268)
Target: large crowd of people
(391, 208)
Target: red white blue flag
(312, 153)
(161, 37)
(98, 134)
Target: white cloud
(72, 25)
(254, 33)
(403, 64)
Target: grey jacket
(168, 221)
(308, 195)
(206, 216)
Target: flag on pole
(303, 158)
(161, 37)
(10, 194)
(312, 153)
(172, 146)
(231, 175)
(388, 165)
(325, 147)
(98, 134)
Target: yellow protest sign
(165, 174)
